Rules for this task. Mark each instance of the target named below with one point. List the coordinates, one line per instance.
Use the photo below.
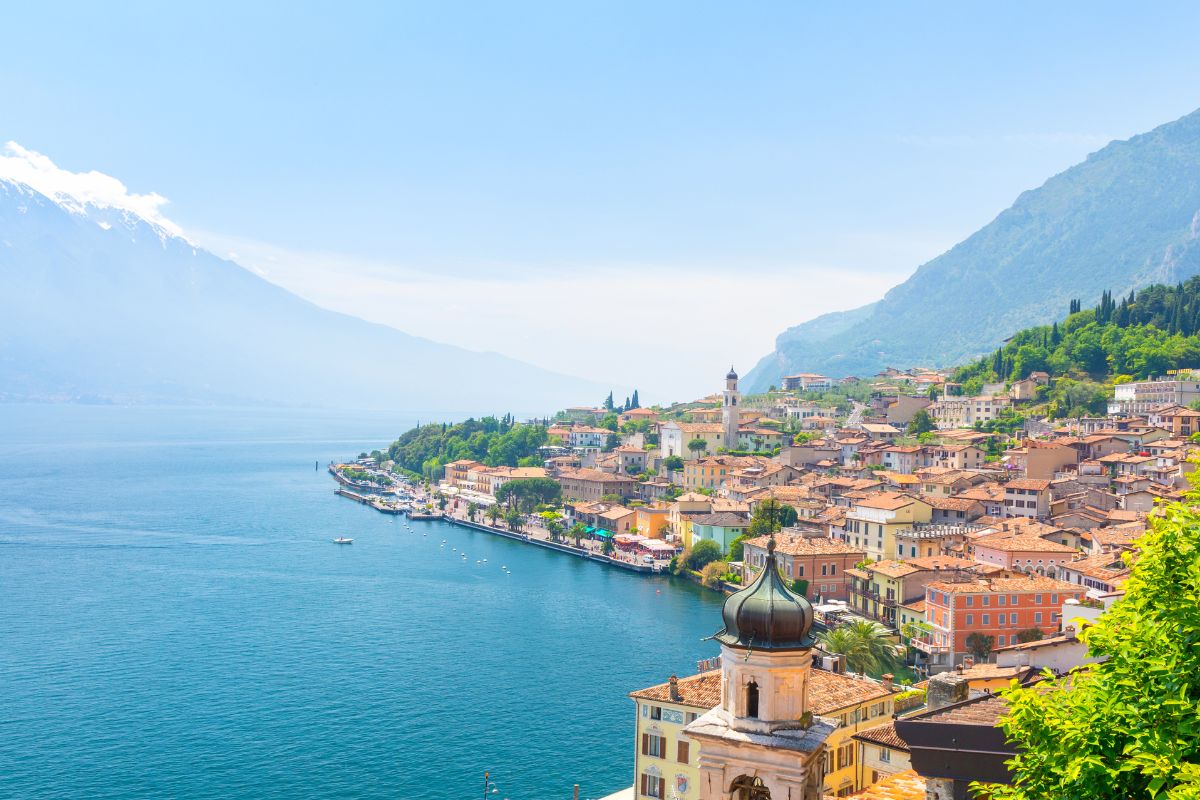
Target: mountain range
(1126, 217)
(100, 304)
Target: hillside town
(977, 548)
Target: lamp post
(488, 786)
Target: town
(936, 546)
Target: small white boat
(343, 540)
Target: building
(674, 438)
(586, 436)
(964, 412)
(721, 527)
(879, 589)
(1022, 551)
(764, 740)
(666, 762)
(592, 484)
(881, 753)
(1041, 460)
(873, 522)
(1142, 397)
(821, 563)
(997, 607)
(1027, 497)
(731, 412)
(806, 382)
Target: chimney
(674, 689)
(887, 679)
(946, 688)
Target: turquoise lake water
(175, 622)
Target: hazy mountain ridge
(98, 304)
(1124, 218)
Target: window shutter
(662, 787)
(645, 744)
(644, 776)
(684, 752)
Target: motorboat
(343, 540)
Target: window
(653, 785)
(682, 751)
(689, 717)
(987, 601)
(970, 619)
(1012, 618)
(1037, 599)
(654, 745)
(1037, 618)
(1012, 601)
(833, 569)
(1000, 620)
(1053, 599)
(970, 600)
(800, 570)
(845, 755)
(655, 712)
(1001, 639)
(885, 755)
(986, 620)
(752, 700)
(824, 570)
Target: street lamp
(489, 787)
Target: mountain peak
(98, 197)
(1122, 219)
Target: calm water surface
(174, 622)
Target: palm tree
(493, 513)
(472, 510)
(865, 645)
(577, 531)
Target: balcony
(924, 644)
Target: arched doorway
(747, 788)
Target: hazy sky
(638, 192)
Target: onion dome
(767, 615)
(731, 375)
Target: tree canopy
(1127, 726)
(496, 442)
(529, 492)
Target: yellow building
(873, 522)
(666, 761)
(858, 704)
(653, 521)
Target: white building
(1141, 397)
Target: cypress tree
(634, 402)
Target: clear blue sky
(639, 164)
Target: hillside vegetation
(496, 442)
(1145, 334)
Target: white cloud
(75, 190)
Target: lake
(177, 623)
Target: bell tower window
(752, 700)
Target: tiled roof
(722, 519)
(1023, 583)
(1036, 484)
(888, 501)
(829, 692)
(885, 735)
(700, 691)
(986, 710)
(1021, 543)
(907, 785)
(791, 545)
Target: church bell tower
(731, 414)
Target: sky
(636, 192)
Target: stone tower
(731, 413)
(762, 742)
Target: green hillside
(1145, 334)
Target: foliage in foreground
(1128, 726)
(866, 646)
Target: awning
(603, 534)
(589, 529)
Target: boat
(343, 540)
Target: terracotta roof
(1036, 484)
(791, 545)
(907, 785)
(1021, 543)
(889, 501)
(699, 691)
(893, 569)
(989, 672)
(1022, 583)
(829, 692)
(883, 735)
(951, 503)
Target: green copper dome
(767, 615)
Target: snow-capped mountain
(109, 301)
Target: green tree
(634, 402)
(555, 529)
(800, 587)
(607, 545)
(920, 423)
(712, 573)
(866, 646)
(703, 552)
(766, 517)
(493, 513)
(578, 531)
(980, 645)
(788, 516)
(1126, 726)
(514, 518)
(529, 492)
(1030, 635)
(673, 463)
(472, 511)
(698, 446)
(608, 402)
